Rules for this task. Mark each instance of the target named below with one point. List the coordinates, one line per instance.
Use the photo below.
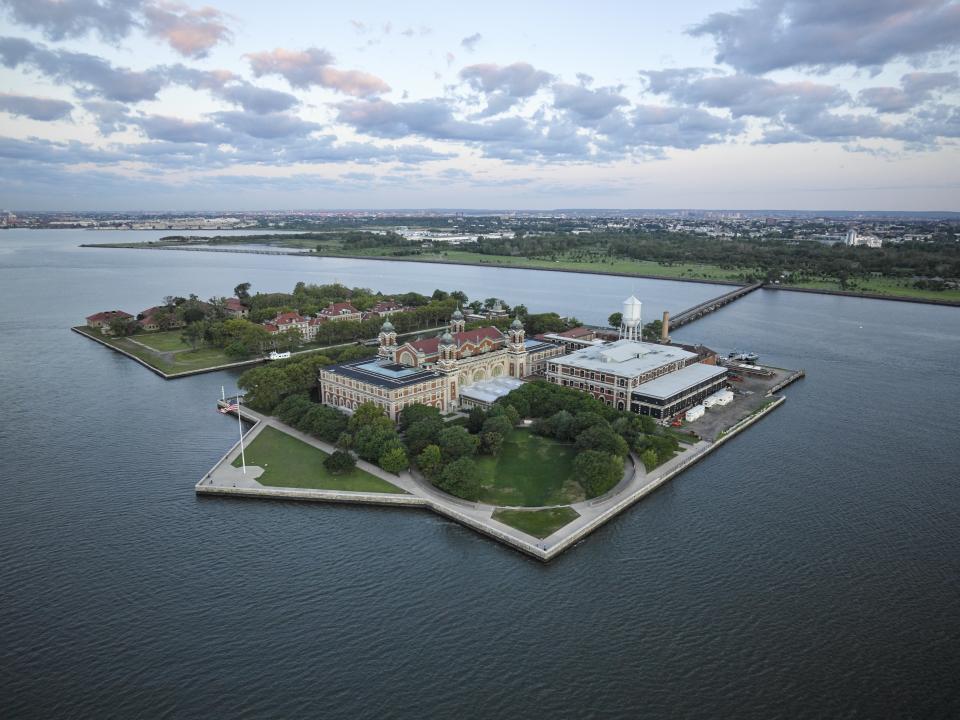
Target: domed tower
(516, 333)
(388, 341)
(517, 349)
(447, 350)
(457, 323)
(630, 325)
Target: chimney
(665, 329)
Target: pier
(708, 306)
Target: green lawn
(292, 463)
(530, 471)
(163, 341)
(539, 523)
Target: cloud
(257, 99)
(775, 34)
(61, 19)
(269, 126)
(505, 138)
(653, 127)
(915, 89)
(192, 33)
(86, 73)
(586, 104)
(743, 94)
(35, 108)
(469, 43)
(176, 130)
(305, 68)
(109, 116)
(504, 85)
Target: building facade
(416, 371)
(613, 371)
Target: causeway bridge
(708, 306)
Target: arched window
(406, 358)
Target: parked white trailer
(694, 413)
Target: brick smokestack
(665, 329)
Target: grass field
(539, 523)
(289, 462)
(530, 471)
(163, 341)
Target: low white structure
(484, 394)
(695, 413)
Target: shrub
(394, 460)
(649, 459)
(430, 462)
(455, 443)
(340, 462)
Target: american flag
(232, 407)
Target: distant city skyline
(777, 104)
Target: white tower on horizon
(630, 324)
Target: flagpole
(240, 424)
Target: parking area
(749, 394)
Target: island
(533, 441)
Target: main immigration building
(461, 366)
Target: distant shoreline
(584, 271)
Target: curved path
(224, 479)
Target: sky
(744, 104)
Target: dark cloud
(469, 43)
(915, 88)
(192, 33)
(313, 66)
(773, 34)
(35, 108)
(504, 85)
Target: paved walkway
(224, 479)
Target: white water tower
(630, 327)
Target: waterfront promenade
(226, 480)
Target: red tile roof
(288, 317)
(108, 315)
(235, 304)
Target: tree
(368, 414)
(121, 326)
(601, 437)
(459, 296)
(499, 424)
(615, 319)
(242, 292)
(597, 472)
(339, 462)
(509, 411)
(324, 422)
(423, 433)
(293, 408)
(414, 413)
(475, 419)
(193, 335)
(455, 443)
(372, 441)
(491, 443)
(394, 460)
(430, 462)
(649, 459)
(440, 295)
(461, 478)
